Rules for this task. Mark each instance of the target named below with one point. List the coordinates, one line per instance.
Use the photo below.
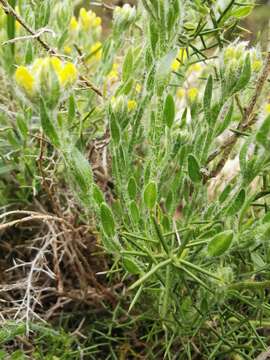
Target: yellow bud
(73, 25)
(182, 55)
(67, 50)
(96, 50)
(256, 65)
(180, 93)
(267, 108)
(25, 79)
(68, 74)
(97, 21)
(175, 65)
(138, 88)
(56, 64)
(229, 54)
(192, 94)
(132, 105)
(85, 19)
(113, 74)
(195, 67)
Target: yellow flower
(267, 108)
(113, 74)
(85, 19)
(175, 65)
(192, 94)
(256, 65)
(89, 19)
(180, 93)
(138, 88)
(56, 64)
(73, 25)
(132, 105)
(97, 21)
(180, 60)
(25, 79)
(67, 50)
(229, 53)
(68, 74)
(182, 55)
(96, 50)
(195, 67)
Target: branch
(37, 36)
(248, 119)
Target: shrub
(175, 107)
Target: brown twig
(248, 119)
(30, 215)
(10, 11)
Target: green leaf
(154, 36)
(127, 66)
(134, 211)
(194, 169)
(47, 125)
(71, 109)
(150, 195)
(107, 220)
(220, 243)
(237, 203)
(80, 170)
(11, 28)
(263, 132)
(225, 193)
(228, 117)
(97, 195)
(207, 98)
(132, 188)
(244, 76)
(115, 130)
(22, 126)
(169, 111)
(242, 11)
(131, 265)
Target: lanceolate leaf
(150, 195)
(169, 111)
(131, 265)
(128, 65)
(80, 170)
(263, 134)
(244, 76)
(47, 125)
(115, 130)
(207, 99)
(237, 203)
(220, 243)
(194, 169)
(107, 220)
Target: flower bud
(25, 80)
(48, 78)
(124, 16)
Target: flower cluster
(191, 94)
(234, 56)
(87, 21)
(179, 60)
(124, 16)
(85, 32)
(47, 77)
